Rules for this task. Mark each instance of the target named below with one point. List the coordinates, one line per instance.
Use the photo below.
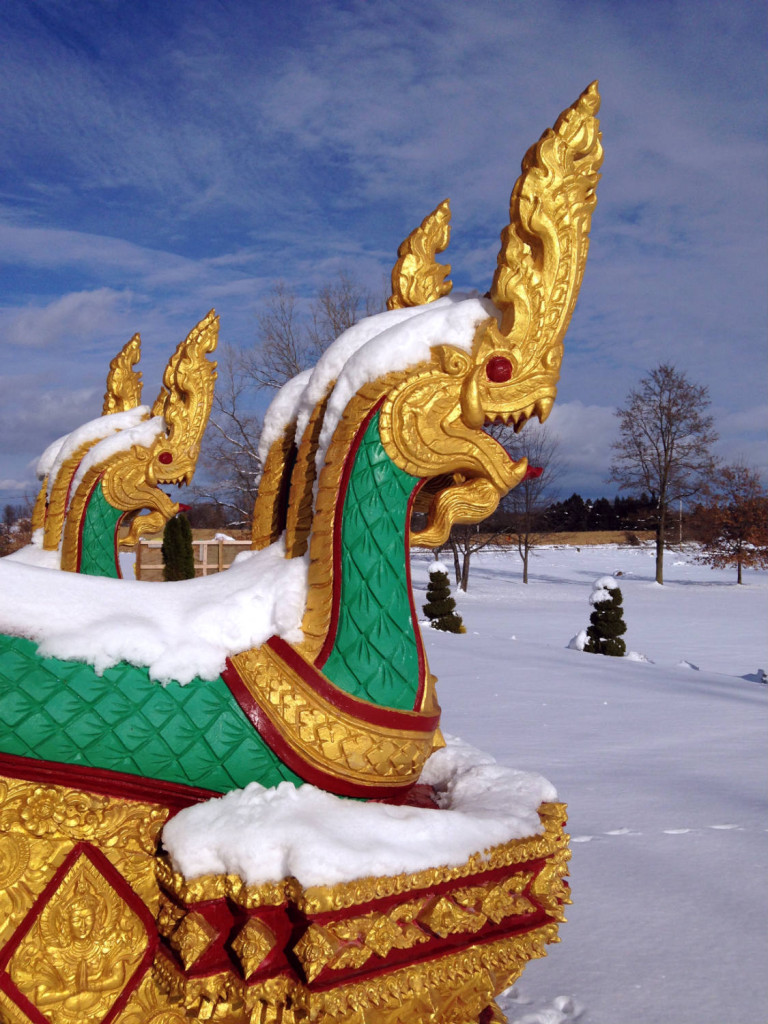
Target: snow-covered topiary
(440, 605)
(607, 620)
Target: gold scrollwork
(123, 382)
(327, 737)
(41, 822)
(253, 944)
(416, 277)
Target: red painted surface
(120, 785)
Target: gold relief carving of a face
(82, 949)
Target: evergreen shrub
(178, 553)
(607, 620)
(440, 605)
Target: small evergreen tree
(440, 605)
(178, 553)
(607, 619)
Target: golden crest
(123, 381)
(416, 277)
(544, 248)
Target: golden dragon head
(130, 480)
(131, 449)
(501, 365)
(432, 421)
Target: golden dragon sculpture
(97, 927)
(111, 468)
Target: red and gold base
(96, 928)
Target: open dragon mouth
(519, 417)
(183, 480)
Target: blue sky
(160, 159)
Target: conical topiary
(607, 620)
(178, 553)
(440, 605)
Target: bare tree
(664, 444)
(288, 343)
(16, 527)
(464, 541)
(229, 452)
(527, 502)
(733, 523)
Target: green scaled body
(197, 734)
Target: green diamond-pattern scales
(98, 551)
(374, 654)
(195, 734)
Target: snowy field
(662, 764)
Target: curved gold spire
(416, 277)
(123, 382)
(544, 248)
(185, 401)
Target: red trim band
(366, 711)
(120, 785)
(338, 516)
(293, 759)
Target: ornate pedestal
(97, 928)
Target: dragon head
(432, 421)
(130, 480)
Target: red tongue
(533, 472)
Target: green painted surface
(375, 655)
(98, 552)
(195, 734)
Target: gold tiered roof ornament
(313, 675)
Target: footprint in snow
(582, 839)
(725, 826)
(622, 832)
(675, 831)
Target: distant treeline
(572, 515)
(577, 513)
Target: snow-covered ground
(662, 764)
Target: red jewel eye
(498, 369)
(165, 458)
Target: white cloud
(80, 315)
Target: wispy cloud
(79, 314)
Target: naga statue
(98, 752)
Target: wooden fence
(210, 556)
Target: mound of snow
(264, 835)
(177, 630)
(577, 643)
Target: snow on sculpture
(302, 664)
